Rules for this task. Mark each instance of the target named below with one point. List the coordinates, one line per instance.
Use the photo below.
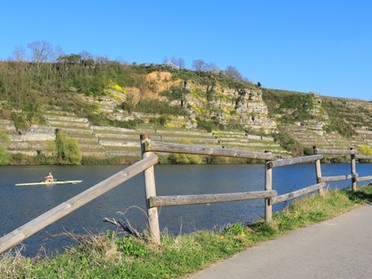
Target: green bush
(4, 154)
(289, 143)
(160, 121)
(281, 102)
(341, 127)
(185, 159)
(20, 121)
(156, 106)
(209, 126)
(365, 150)
(68, 151)
(175, 93)
(308, 151)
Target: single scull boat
(49, 183)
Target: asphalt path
(338, 248)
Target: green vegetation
(185, 159)
(208, 125)
(68, 151)
(294, 106)
(337, 122)
(175, 93)
(156, 106)
(365, 150)
(43, 86)
(290, 144)
(112, 256)
(230, 78)
(4, 154)
(176, 158)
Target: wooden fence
(270, 195)
(353, 176)
(153, 202)
(289, 196)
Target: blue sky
(308, 46)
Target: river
(19, 205)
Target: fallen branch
(127, 228)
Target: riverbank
(111, 255)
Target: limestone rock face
(230, 107)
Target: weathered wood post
(318, 171)
(150, 191)
(353, 170)
(268, 187)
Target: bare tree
(85, 55)
(233, 73)
(212, 67)
(19, 54)
(102, 60)
(199, 65)
(179, 62)
(41, 51)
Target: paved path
(339, 248)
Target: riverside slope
(338, 248)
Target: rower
(49, 177)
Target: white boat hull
(49, 183)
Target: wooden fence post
(268, 187)
(318, 172)
(353, 171)
(150, 191)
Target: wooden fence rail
(297, 160)
(298, 193)
(152, 146)
(363, 157)
(209, 198)
(146, 166)
(336, 178)
(334, 151)
(364, 178)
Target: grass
(113, 256)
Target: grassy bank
(112, 256)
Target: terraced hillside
(282, 122)
(171, 104)
(242, 140)
(109, 141)
(358, 115)
(309, 138)
(325, 122)
(78, 129)
(35, 142)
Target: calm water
(19, 205)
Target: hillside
(106, 108)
